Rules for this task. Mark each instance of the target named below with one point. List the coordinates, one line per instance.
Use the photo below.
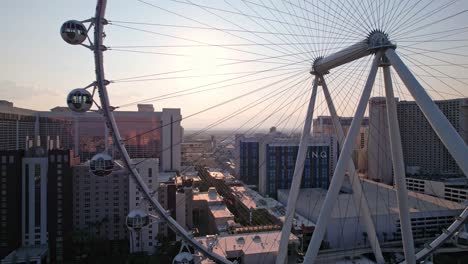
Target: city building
(10, 200)
(210, 213)
(247, 169)
(273, 159)
(429, 215)
(37, 201)
(147, 134)
(100, 204)
(423, 152)
(247, 248)
(60, 204)
(422, 149)
(16, 125)
(452, 189)
(175, 194)
(323, 125)
(378, 147)
(193, 151)
(171, 139)
(146, 239)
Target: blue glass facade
(280, 163)
(248, 162)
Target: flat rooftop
(211, 196)
(220, 211)
(26, 254)
(245, 195)
(217, 175)
(249, 244)
(252, 199)
(381, 199)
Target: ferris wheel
(287, 51)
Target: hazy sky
(38, 68)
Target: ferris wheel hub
(378, 40)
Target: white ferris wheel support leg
(343, 161)
(297, 177)
(399, 169)
(442, 127)
(101, 83)
(359, 199)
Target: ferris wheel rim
(112, 125)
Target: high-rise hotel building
(273, 159)
(423, 152)
(422, 148)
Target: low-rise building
(211, 215)
(429, 215)
(452, 189)
(247, 248)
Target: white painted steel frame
(349, 54)
(119, 143)
(399, 175)
(358, 196)
(297, 178)
(343, 161)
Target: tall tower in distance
(378, 147)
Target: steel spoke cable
(408, 21)
(307, 16)
(120, 22)
(347, 35)
(249, 106)
(223, 103)
(397, 14)
(411, 21)
(439, 51)
(438, 59)
(190, 19)
(165, 97)
(227, 20)
(425, 41)
(395, 11)
(431, 23)
(270, 25)
(230, 45)
(461, 30)
(363, 9)
(439, 79)
(403, 16)
(220, 58)
(436, 39)
(235, 113)
(362, 20)
(212, 83)
(141, 77)
(295, 21)
(191, 40)
(232, 12)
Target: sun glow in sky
(258, 52)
